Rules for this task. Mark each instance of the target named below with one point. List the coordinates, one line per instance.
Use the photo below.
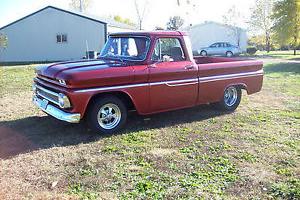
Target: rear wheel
(107, 115)
(203, 53)
(229, 54)
(231, 99)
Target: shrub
(251, 50)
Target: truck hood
(85, 73)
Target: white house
(203, 35)
(54, 34)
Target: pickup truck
(149, 72)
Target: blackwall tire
(107, 115)
(203, 53)
(231, 99)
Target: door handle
(188, 67)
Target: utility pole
(80, 6)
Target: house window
(61, 38)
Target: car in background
(220, 48)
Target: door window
(170, 47)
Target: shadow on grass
(33, 133)
(283, 67)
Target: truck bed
(207, 60)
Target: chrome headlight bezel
(63, 101)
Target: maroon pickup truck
(149, 72)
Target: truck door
(173, 78)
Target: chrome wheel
(109, 116)
(230, 96)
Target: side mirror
(167, 58)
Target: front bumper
(56, 112)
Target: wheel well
(241, 86)
(121, 95)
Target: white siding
(206, 34)
(34, 38)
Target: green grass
(279, 54)
(197, 153)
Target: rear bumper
(56, 112)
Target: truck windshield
(126, 48)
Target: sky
(157, 13)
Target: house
(203, 35)
(54, 34)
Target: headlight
(63, 101)
(62, 82)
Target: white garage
(54, 34)
(203, 35)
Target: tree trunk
(268, 42)
(295, 51)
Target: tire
(229, 54)
(107, 115)
(203, 53)
(231, 99)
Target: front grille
(47, 94)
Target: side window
(170, 47)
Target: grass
(279, 54)
(196, 153)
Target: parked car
(220, 48)
(149, 72)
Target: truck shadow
(35, 133)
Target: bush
(251, 50)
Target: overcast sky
(158, 11)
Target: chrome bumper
(55, 112)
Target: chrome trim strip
(181, 84)
(48, 80)
(47, 91)
(229, 76)
(57, 113)
(51, 100)
(112, 88)
(178, 82)
(169, 83)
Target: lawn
(289, 55)
(198, 153)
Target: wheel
(107, 115)
(231, 99)
(203, 53)
(229, 54)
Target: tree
(233, 19)
(118, 18)
(261, 20)
(175, 23)
(141, 10)
(286, 15)
(80, 5)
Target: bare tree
(80, 5)
(175, 23)
(233, 20)
(261, 19)
(141, 9)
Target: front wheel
(231, 98)
(107, 115)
